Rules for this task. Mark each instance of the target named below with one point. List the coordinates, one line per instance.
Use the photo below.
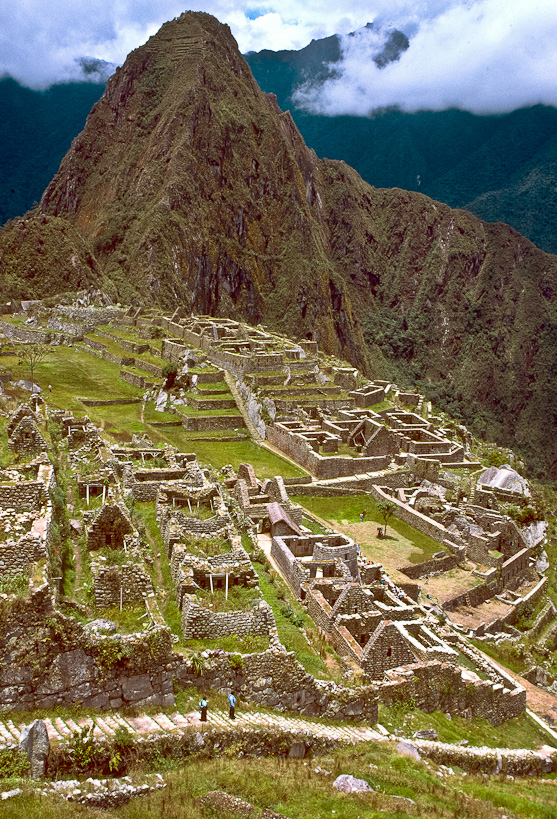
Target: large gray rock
(407, 748)
(349, 784)
(34, 742)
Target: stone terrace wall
(440, 564)
(25, 334)
(475, 596)
(441, 686)
(199, 623)
(204, 423)
(56, 661)
(322, 467)
(275, 678)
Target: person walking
(232, 705)
(203, 708)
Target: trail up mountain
(190, 187)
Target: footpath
(105, 726)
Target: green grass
(73, 374)
(265, 463)
(518, 732)
(129, 620)
(348, 509)
(295, 789)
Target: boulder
(349, 784)
(407, 748)
(34, 742)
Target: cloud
(489, 56)
(484, 55)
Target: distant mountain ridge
(500, 167)
(189, 187)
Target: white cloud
(485, 55)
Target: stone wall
(445, 687)
(275, 679)
(17, 556)
(475, 596)
(24, 495)
(290, 567)
(134, 379)
(199, 623)
(295, 447)
(115, 585)
(203, 423)
(26, 439)
(53, 660)
(440, 564)
(25, 334)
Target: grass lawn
(265, 463)
(73, 374)
(402, 545)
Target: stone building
(109, 527)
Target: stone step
(107, 725)
(62, 728)
(5, 735)
(165, 723)
(104, 727)
(15, 732)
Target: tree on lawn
(386, 509)
(33, 354)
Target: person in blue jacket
(203, 708)
(232, 705)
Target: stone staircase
(106, 726)
(241, 406)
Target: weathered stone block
(34, 742)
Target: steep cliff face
(189, 186)
(192, 186)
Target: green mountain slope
(189, 187)
(465, 160)
(36, 130)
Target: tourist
(232, 705)
(379, 532)
(364, 513)
(203, 708)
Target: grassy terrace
(296, 789)
(409, 545)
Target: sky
(485, 56)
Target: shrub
(13, 763)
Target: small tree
(33, 354)
(386, 510)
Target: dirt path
(75, 544)
(157, 558)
